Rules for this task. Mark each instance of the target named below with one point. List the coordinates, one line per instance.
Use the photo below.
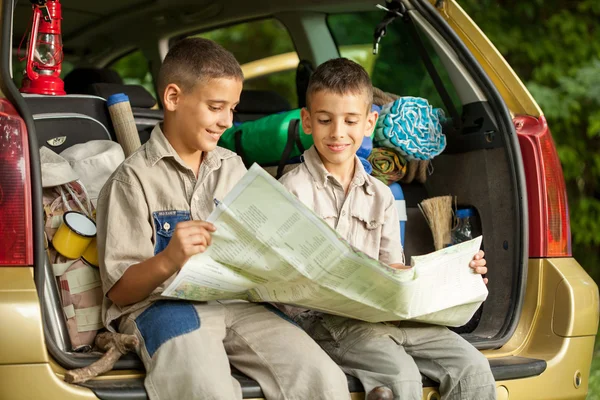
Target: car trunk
(482, 167)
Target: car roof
(91, 25)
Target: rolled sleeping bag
(413, 127)
(401, 207)
(123, 122)
(366, 147)
(264, 140)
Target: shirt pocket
(327, 212)
(164, 225)
(367, 226)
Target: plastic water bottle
(467, 227)
(464, 228)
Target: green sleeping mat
(269, 140)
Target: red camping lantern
(44, 50)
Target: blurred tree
(135, 70)
(554, 46)
(269, 38)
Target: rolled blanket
(416, 170)
(366, 165)
(412, 126)
(388, 165)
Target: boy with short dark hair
(387, 358)
(151, 220)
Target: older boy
(388, 359)
(151, 220)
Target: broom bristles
(438, 214)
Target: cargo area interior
(478, 166)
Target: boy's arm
(390, 247)
(140, 280)
(124, 239)
(129, 269)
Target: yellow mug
(90, 254)
(74, 234)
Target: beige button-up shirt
(366, 217)
(144, 199)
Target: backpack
(79, 283)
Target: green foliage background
(268, 38)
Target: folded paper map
(269, 247)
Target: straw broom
(438, 214)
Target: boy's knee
(408, 372)
(475, 363)
(334, 380)
(396, 367)
(325, 377)
(477, 381)
(187, 384)
(478, 386)
(326, 371)
(403, 378)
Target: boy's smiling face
(203, 113)
(338, 124)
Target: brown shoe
(381, 393)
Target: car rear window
(397, 68)
(258, 40)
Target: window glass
(398, 67)
(257, 42)
(134, 69)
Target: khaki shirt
(142, 202)
(366, 217)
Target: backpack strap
(238, 146)
(299, 144)
(293, 139)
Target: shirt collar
(159, 147)
(321, 176)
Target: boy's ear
(371, 121)
(171, 97)
(306, 122)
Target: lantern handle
(32, 40)
(41, 4)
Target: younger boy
(333, 183)
(150, 219)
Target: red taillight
(16, 246)
(549, 227)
